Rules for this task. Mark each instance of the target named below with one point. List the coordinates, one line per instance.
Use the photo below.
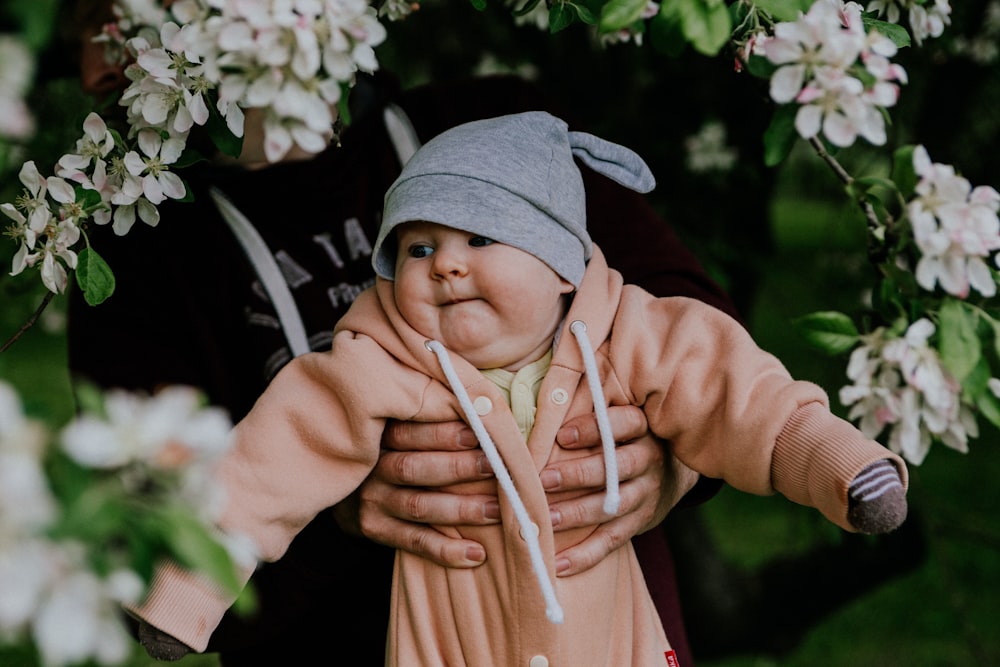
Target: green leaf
(828, 331)
(761, 67)
(479, 4)
(706, 24)
(618, 14)
(665, 34)
(561, 15)
(196, 548)
(87, 199)
(585, 15)
(37, 20)
(958, 343)
(903, 172)
(343, 104)
(784, 10)
(94, 277)
(89, 399)
(989, 407)
(872, 181)
(189, 157)
(525, 8)
(897, 33)
(996, 333)
(246, 602)
(780, 135)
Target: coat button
(538, 661)
(482, 406)
(559, 396)
(533, 527)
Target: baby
(493, 306)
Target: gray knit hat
(512, 179)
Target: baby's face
(493, 304)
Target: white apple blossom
(64, 594)
(152, 167)
(290, 59)
(900, 383)
(95, 145)
(79, 619)
(25, 499)
(44, 237)
(165, 430)
(396, 10)
(955, 227)
(708, 150)
(17, 67)
(57, 251)
(983, 46)
(839, 74)
(926, 19)
(27, 566)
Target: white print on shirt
(326, 244)
(358, 244)
(345, 293)
(262, 319)
(295, 275)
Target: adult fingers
(424, 436)
(427, 543)
(398, 517)
(422, 506)
(432, 468)
(639, 503)
(605, 539)
(627, 423)
(642, 456)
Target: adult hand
(652, 481)
(396, 507)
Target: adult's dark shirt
(189, 309)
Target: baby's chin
(484, 357)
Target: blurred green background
(784, 242)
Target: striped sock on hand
(877, 499)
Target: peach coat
(727, 408)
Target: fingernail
(551, 479)
(555, 517)
(569, 435)
(562, 564)
(475, 554)
(466, 438)
(492, 509)
(483, 465)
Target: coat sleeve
(309, 441)
(731, 410)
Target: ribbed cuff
(184, 605)
(818, 455)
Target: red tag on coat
(671, 659)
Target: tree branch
(29, 323)
(875, 251)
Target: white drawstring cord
(612, 499)
(552, 609)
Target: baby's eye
(420, 250)
(480, 241)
